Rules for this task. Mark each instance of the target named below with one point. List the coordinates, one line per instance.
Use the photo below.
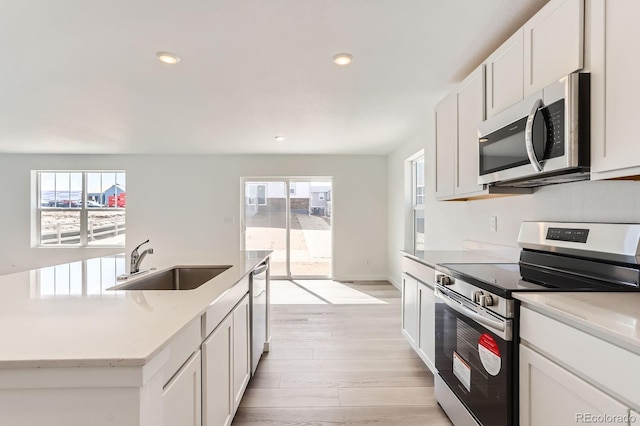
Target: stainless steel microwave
(541, 140)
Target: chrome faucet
(136, 258)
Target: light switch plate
(493, 223)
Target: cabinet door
(410, 309)
(446, 141)
(181, 397)
(470, 114)
(505, 75)
(426, 345)
(241, 351)
(553, 43)
(615, 151)
(217, 375)
(551, 395)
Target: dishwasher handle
(260, 269)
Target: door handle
(528, 136)
(461, 309)
(260, 269)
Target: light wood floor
(338, 358)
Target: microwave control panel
(555, 128)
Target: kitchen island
(90, 355)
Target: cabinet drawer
(221, 307)
(419, 271)
(610, 367)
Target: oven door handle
(461, 309)
(528, 136)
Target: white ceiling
(82, 76)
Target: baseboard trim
(393, 283)
(361, 278)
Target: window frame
(417, 198)
(83, 210)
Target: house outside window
(292, 188)
(80, 208)
(257, 194)
(418, 201)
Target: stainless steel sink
(176, 278)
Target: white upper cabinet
(615, 36)
(553, 43)
(470, 114)
(505, 75)
(446, 141)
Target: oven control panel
(572, 235)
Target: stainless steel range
(477, 317)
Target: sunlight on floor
(318, 292)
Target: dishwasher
(259, 300)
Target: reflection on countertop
(91, 277)
(433, 257)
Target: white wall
(449, 223)
(190, 206)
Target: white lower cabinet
(216, 372)
(426, 342)
(418, 309)
(569, 376)
(410, 309)
(241, 351)
(181, 397)
(226, 366)
(551, 395)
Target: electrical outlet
(493, 223)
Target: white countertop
(614, 317)
(63, 316)
(433, 257)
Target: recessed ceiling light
(342, 59)
(280, 138)
(168, 58)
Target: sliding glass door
(292, 217)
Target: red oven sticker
(489, 354)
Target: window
(321, 196)
(256, 194)
(81, 208)
(417, 189)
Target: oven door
(474, 357)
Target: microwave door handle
(463, 310)
(528, 136)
